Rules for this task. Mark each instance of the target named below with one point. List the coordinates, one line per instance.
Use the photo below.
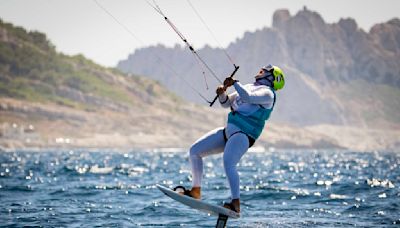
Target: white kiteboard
(198, 204)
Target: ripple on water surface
(283, 188)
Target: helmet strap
(264, 81)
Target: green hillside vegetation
(31, 69)
(46, 97)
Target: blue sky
(80, 26)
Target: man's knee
(194, 150)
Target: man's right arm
(226, 100)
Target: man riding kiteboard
(251, 105)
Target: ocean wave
(280, 189)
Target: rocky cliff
(48, 99)
(336, 73)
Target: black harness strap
(251, 140)
(225, 138)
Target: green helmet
(278, 79)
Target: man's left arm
(261, 95)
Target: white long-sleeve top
(247, 98)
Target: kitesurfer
(251, 105)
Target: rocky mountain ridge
(320, 61)
(48, 99)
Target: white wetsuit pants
(213, 143)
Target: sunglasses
(264, 71)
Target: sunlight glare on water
(278, 188)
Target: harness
(251, 125)
(251, 140)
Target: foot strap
(181, 189)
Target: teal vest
(253, 124)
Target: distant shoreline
(257, 149)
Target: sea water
(288, 188)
